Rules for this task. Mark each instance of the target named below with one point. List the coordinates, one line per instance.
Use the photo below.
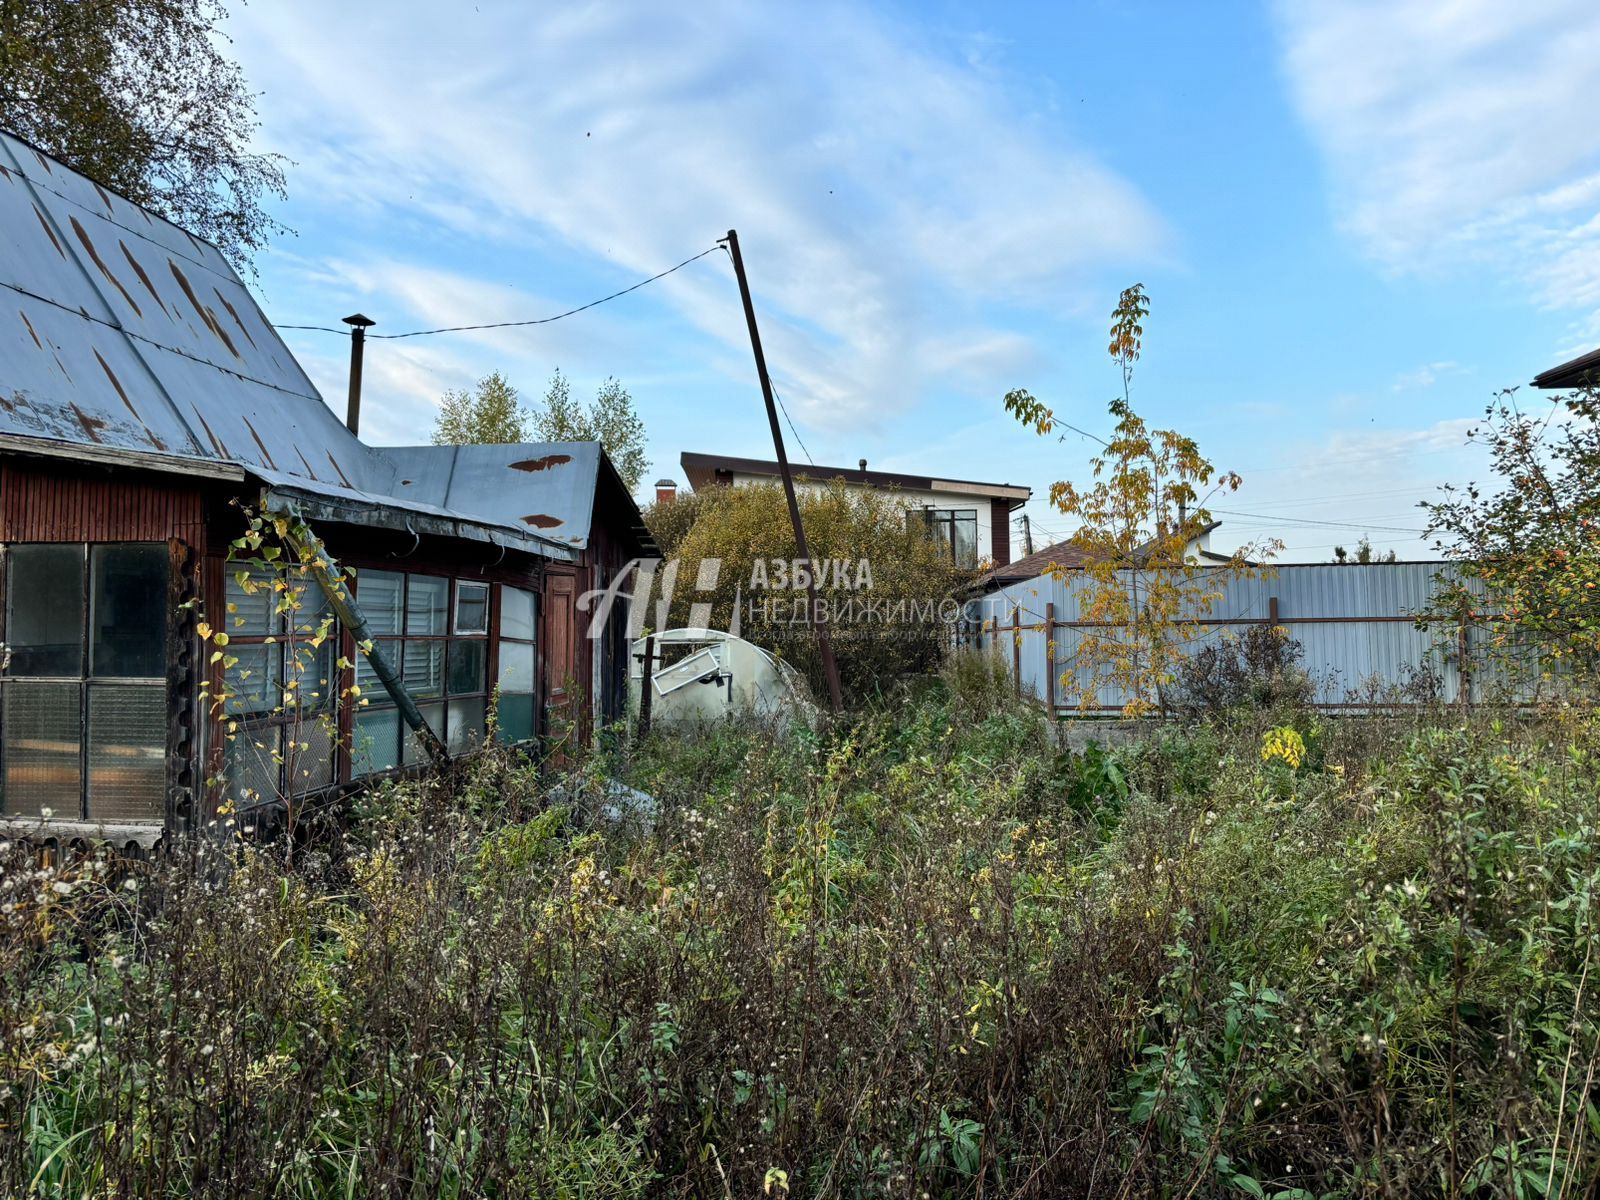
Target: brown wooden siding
(1000, 531)
(56, 504)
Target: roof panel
(544, 486)
(148, 333)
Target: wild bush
(915, 953)
(1259, 668)
(888, 597)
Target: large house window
(435, 631)
(280, 694)
(955, 530)
(84, 698)
(516, 678)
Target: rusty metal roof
(125, 335)
(544, 486)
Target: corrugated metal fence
(1356, 622)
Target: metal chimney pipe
(358, 341)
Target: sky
(1356, 222)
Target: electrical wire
(776, 396)
(515, 324)
(1275, 518)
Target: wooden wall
(62, 502)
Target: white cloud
(1424, 376)
(1459, 130)
(884, 193)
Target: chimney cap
(358, 320)
(671, 483)
(863, 464)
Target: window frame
(941, 525)
(280, 639)
(398, 644)
(536, 689)
(87, 683)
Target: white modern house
(972, 519)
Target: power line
(790, 419)
(515, 324)
(1273, 517)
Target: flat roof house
(144, 398)
(972, 519)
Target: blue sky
(1356, 221)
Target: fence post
(1272, 611)
(1050, 659)
(1016, 647)
(1463, 667)
(642, 729)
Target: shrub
(1258, 669)
(886, 624)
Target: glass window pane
(311, 669)
(966, 542)
(516, 669)
(252, 602)
(466, 724)
(43, 727)
(375, 741)
(472, 608)
(516, 613)
(379, 593)
(424, 669)
(467, 660)
(367, 678)
(308, 755)
(252, 682)
(308, 607)
(251, 767)
(128, 619)
(45, 626)
(127, 753)
(427, 599)
(412, 752)
(514, 718)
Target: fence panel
(1356, 623)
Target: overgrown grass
(923, 952)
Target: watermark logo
(777, 596)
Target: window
(516, 678)
(281, 693)
(954, 529)
(434, 631)
(84, 698)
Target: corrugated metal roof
(125, 335)
(126, 331)
(548, 487)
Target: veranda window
(280, 695)
(83, 699)
(517, 679)
(434, 630)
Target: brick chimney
(666, 491)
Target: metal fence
(1357, 624)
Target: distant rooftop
(702, 470)
(1583, 371)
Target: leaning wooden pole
(819, 616)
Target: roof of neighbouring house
(1068, 555)
(1583, 371)
(1065, 555)
(702, 469)
(130, 341)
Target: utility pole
(1027, 535)
(358, 343)
(819, 616)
